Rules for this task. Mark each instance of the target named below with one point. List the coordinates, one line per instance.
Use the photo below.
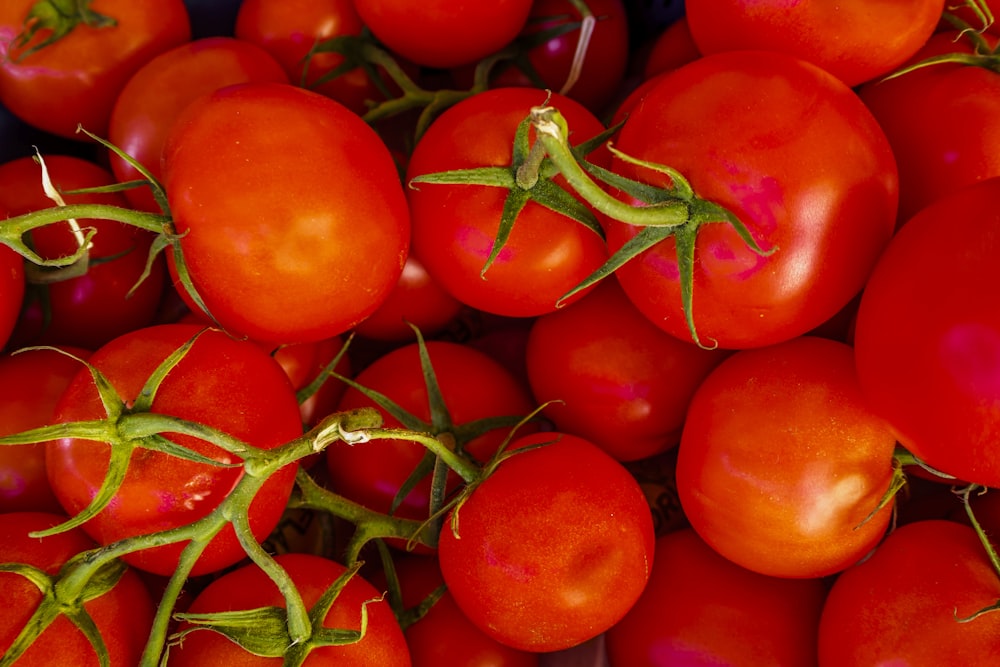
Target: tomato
(793, 153)
(855, 41)
(154, 96)
(303, 363)
(927, 345)
(473, 387)
(276, 192)
(123, 615)
(618, 380)
(702, 609)
(74, 81)
(911, 109)
(444, 34)
(88, 310)
(904, 604)
(672, 48)
(289, 30)
(552, 549)
(31, 383)
(11, 288)
(782, 465)
(454, 226)
(232, 385)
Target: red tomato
(154, 96)
(855, 41)
(620, 382)
(123, 615)
(672, 48)
(911, 109)
(473, 387)
(277, 192)
(793, 153)
(249, 587)
(11, 288)
(230, 384)
(31, 383)
(903, 605)
(303, 363)
(454, 226)
(74, 81)
(552, 549)
(444, 34)
(702, 609)
(782, 464)
(89, 310)
(927, 345)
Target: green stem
(153, 222)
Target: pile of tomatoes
(512, 333)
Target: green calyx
(48, 21)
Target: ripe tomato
(903, 605)
(702, 609)
(619, 381)
(249, 587)
(88, 310)
(31, 383)
(277, 192)
(232, 385)
(552, 549)
(11, 288)
(123, 615)
(454, 226)
(444, 34)
(782, 464)
(672, 48)
(856, 41)
(74, 81)
(793, 153)
(928, 352)
(154, 96)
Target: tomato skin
(249, 587)
(814, 181)
(782, 464)
(123, 615)
(454, 226)
(11, 290)
(223, 382)
(702, 609)
(672, 48)
(552, 549)
(154, 96)
(620, 381)
(317, 189)
(855, 41)
(902, 605)
(444, 33)
(75, 80)
(936, 385)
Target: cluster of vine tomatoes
(386, 335)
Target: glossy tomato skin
(75, 80)
(249, 587)
(31, 383)
(454, 226)
(799, 159)
(702, 609)
(123, 615)
(154, 96)
(782, 463)
(277, 192)
(614, 377)
(928, 353)
(11, 290)
(855, 41)
(444, 34)
(552, 549)
(230, 384)
(903, 605)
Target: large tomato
(232, 385)
(927, 337)
(292, 218)
(793, 153)
(11, 288)
(74, 81)
(553, 548)
(782, 465)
